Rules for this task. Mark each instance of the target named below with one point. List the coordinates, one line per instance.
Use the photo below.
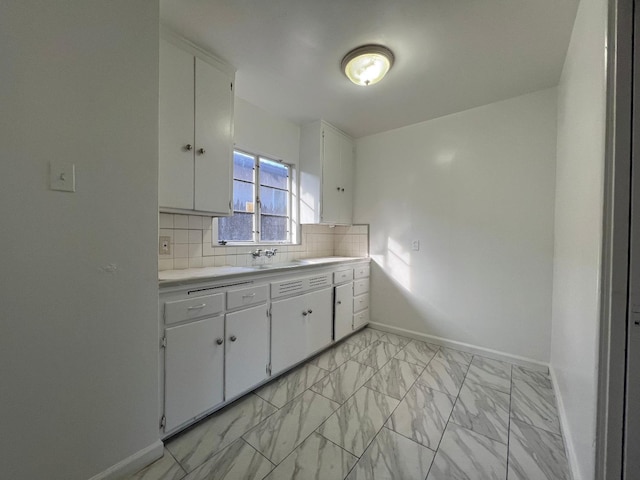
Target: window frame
(257, 213)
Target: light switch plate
(164, 245)
(62, 176)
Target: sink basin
(269, 266)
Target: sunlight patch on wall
(397, 263)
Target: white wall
(578, 232)
(476, 189)
(78, 335)
(259, 131)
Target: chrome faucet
(270, 253)
(257, 253)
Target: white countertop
(191, 275)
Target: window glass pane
(243, 196)
(243, 166)
(238, 227)
(273, 201)
(273, 174)
(273, 229)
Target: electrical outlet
(415, 245)
(164, 246)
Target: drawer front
(360, 286)
(361, 271)
(243, 297)
(361, 318)
(360, 302)
(191, 308)
(343, 276)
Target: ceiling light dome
(367, 65)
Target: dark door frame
(616, 242)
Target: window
(261, 198)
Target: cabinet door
(331, 176)
(176, 169)
(319, 320)
(288, 332)
(246, 349)
(194, 365)
(346, 180)
(343, 317)
(213, 139)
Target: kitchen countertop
(193, 275)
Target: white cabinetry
(361, 298)
(218, 341)
(195, 131)
(326, 178)
(194, 359)
(246, 349)
(300, 326)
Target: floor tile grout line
(177, 462)
(264, 399)
(259, 453)
(241, 437)
(452, 409)
(387, 419)
(408, 438)
(296, 396)
(323, 422)
(396, 407)
(495, 390)
(383, 424)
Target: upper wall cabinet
(196, 130)
(326, 174)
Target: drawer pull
(310, 311)
(219, 341)
(339, 302)
(249, 295)
(233, 338)
(305, 313)
(197, 307)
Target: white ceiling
(451, 55)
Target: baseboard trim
(132, 464)
(465, 347)
(564, 426)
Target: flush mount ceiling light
(367, 65)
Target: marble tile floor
(379, 406)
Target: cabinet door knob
(188, 147)
(219, 341)
(202, 151)
(233, 338)
(309, 311)
(339, 302)
(305, 313)
(342, 189)
(338, 188)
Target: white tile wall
(191, 244)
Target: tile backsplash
(190, 244)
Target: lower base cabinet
(299, 326)
(248, 334)
(194, 359)
(246, 349)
